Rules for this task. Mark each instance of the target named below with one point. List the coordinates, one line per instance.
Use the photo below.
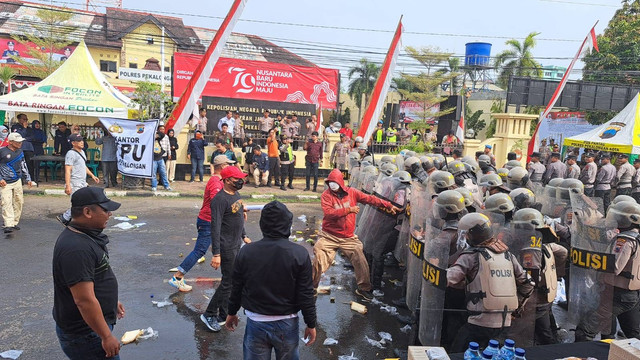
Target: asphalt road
(141, 259)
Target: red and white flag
(590, 41)
(320, 119)
(189, 98)
(374, 108)
(460, 129)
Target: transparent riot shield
(354, 172)
(367, 185)
(475, 191)
(379, 223)
(434, 286)
(591, 269)
(525, 243)
(420, 203)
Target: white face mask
(334, 186)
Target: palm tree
(366, 74)
(6, 74)
(518, 60)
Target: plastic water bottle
(493, 348)
(519, 354)
(487, 354)
(473, 352)
(508, 350)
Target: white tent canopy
(620, 134)
(77, 87)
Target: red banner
(259, 80)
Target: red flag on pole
(188, 99)
(590, 41)
(374, 108)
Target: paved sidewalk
(187, 189)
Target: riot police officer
(518, 177)
(492, 278)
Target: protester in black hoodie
(272, 280)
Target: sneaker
(180, 284)
(378, 293)
(16, 227)
(222, 320)
(62, 220)
(168, 188)
(257, 186)
(290, 186)
(283, 188)
(190, 181)
(211, 322)
(366, 295)
(154, 189)
(8, 229)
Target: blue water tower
(477, 54)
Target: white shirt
(268, 318)
(199, 123)
(230, 122)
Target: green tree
(497, 106)
(617, 61)
(6, 74)
(51, 34)
(154, 104)
(518, 60)
(364, 77)
(425, 87)
(474, 123)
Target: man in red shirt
(347, 131)
(203, 224)
(340, 206)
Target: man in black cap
(272, 288)
(85, 296)
(573, 170)
(635, 180)
(535, 167)
(605, 176)
(624, 175)
(588, 174)
(555, 169)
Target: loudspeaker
(449, 121)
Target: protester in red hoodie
(340, 206)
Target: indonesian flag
(374, 108)
(189, 98)
(460, 129)
(590, 41)
(319, 116)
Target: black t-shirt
(78, 257)
(227, 222)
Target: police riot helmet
(448, 202)
(409, 153)
(471, 164)
(621, 198)
(365, 163)
(358, 139)
(388, 168)
(387, 159)
(499, 203)
(477, 227)
(490, 180)
(402, 152)
(566, 186)
(403, 176)
(466, 193)
(522, 198)
(370, 169)
(438, 161)
(427, 163)
(440, 180)
(623, 215)
(528, 218)
(410, 161)
(456, 167)
(368, 158)
(503, 172)
(511, 164)
(484, 160)
(517, 177)
(550, 188)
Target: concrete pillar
(509, 129)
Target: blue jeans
(82, 347)
(202, 244)
(158, 166)
(312, 170)
(197, 164)
(261, 337)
